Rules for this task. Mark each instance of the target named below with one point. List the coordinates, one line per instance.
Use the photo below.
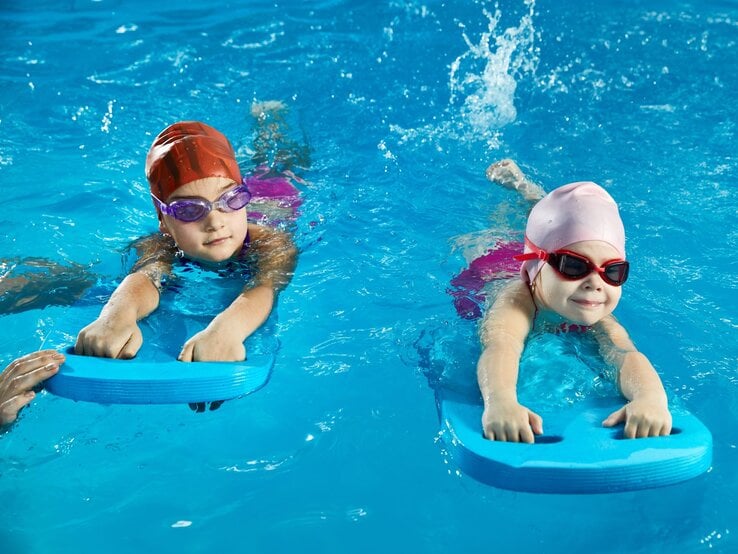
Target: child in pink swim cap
(201, 202)
(574, 266)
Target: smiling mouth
(588, 303)
(217, 241)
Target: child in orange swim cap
(198, 193)
(201, 202)
(573, 270)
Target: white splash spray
(486, 76)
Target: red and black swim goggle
(573, 266)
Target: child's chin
(211, 259)
(589, 321)
(584, 319)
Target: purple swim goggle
(194, 209)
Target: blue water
(404, 105)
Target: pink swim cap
(569, 214)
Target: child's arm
(503, 335)
(222, 339)
(115, 333)
(647, 413)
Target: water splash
(486, 76)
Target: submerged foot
(260, 110)
(507, 174)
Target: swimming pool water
(404, 105)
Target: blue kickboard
(157, 379)
(576, 454)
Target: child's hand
(643, 417)
(109, 337)
(510, 421)
(213, 344)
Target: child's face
(587, 300)
(216, 237)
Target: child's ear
(163, 229)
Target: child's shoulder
(515, 289)
(514, 298)
(264, 239)
(259, 232)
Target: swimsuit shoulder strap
(246, 244)
(533, 299)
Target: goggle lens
(188, 210)
(237, 198)
(616, 272)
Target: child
(573, 268)
(200, 199)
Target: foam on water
(483, 80)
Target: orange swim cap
(187, 151)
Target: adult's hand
(18, 380)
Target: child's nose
(594, 281)
(214, 220)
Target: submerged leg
(507, 174)
(272, 145)
(275, 200)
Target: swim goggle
(573, 266)
(194, 209)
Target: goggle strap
(163, 208)
(535, 254)
(527, 256)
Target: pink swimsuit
(275, 187)
(467, 286)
